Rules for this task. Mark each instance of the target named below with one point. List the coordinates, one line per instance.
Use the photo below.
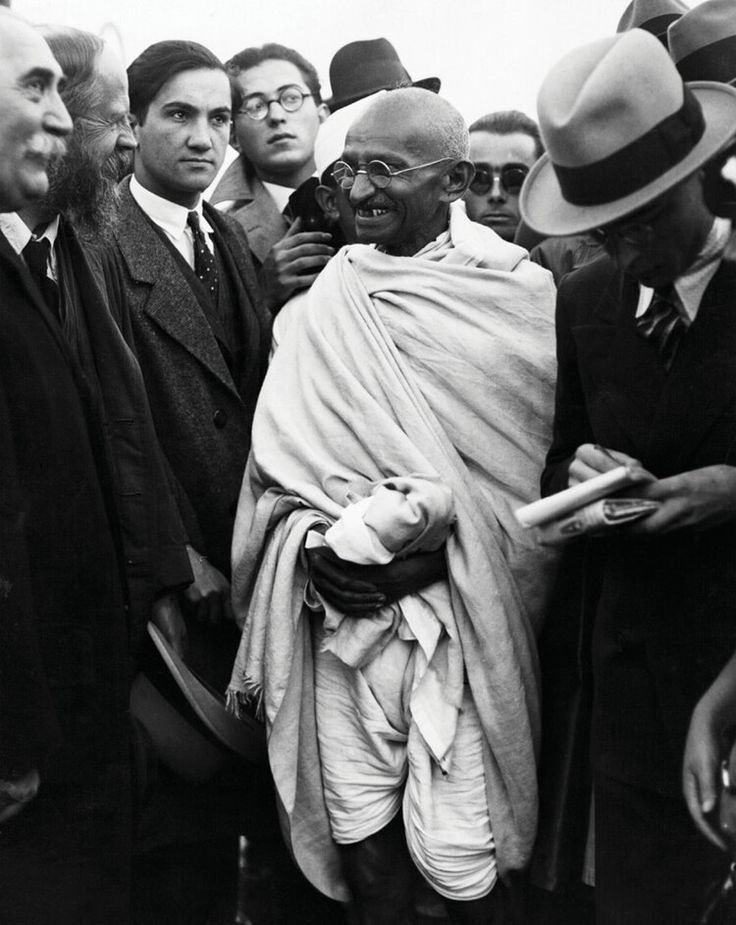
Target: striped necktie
(662, 324)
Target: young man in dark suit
(646, 337)
(189, 295)
(193, 311)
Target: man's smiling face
(411, 210)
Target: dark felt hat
(654, 16)
(359, 69)
(193, 733)
(702, 43)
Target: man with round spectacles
(277, 110)
(503, 146)
(402, 753)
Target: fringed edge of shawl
(247, 700)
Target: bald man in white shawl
(402, 734)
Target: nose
(199, 136)
(276, 112)
(497, 192)
(126, 139)
(361, 189)
(56, 119)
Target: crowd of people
(275, 646)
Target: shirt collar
(19, 234)
(691, 286)
(167, 214)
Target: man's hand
(16, 794)
(591, 460)
(294, 263)
(706, 745)
(167, 616)
(209, 593)
(696, 500)
(358, 590)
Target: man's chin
(29, 190)
(504, 230)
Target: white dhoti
(440, 365)
(374, 761)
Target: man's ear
(323, 112)
(327, 201)
(457, 180)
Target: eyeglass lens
(290, 99)
(377, 172)
(511, 176)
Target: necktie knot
(36, 254)
(662, 324)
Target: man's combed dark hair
(250, 57)
(156, 66)
(508, 121)
(77, 53)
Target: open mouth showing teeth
(372, 213)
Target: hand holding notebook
(587, 508)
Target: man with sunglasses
(277, 110)
(503, 146)
(424, 349)
(646, 358)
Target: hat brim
(244, 736)
(432, 84)
(544, 208)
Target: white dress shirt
(691, 286)
(171, 218)
(19, 234)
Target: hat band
(657, 25)
(716, 61)
(639, 163)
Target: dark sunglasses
(511, 178)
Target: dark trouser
(51, 873)
(382, 879)
(652, 866)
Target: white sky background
(490, 54)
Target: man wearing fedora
(646, 366)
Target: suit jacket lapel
(702, 380)
(255, 208)
(628, 374)
(171, 302)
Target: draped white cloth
(441, 364)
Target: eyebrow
(189, 107)
(44, 72)
(278, 89)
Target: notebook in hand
(579, 510)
